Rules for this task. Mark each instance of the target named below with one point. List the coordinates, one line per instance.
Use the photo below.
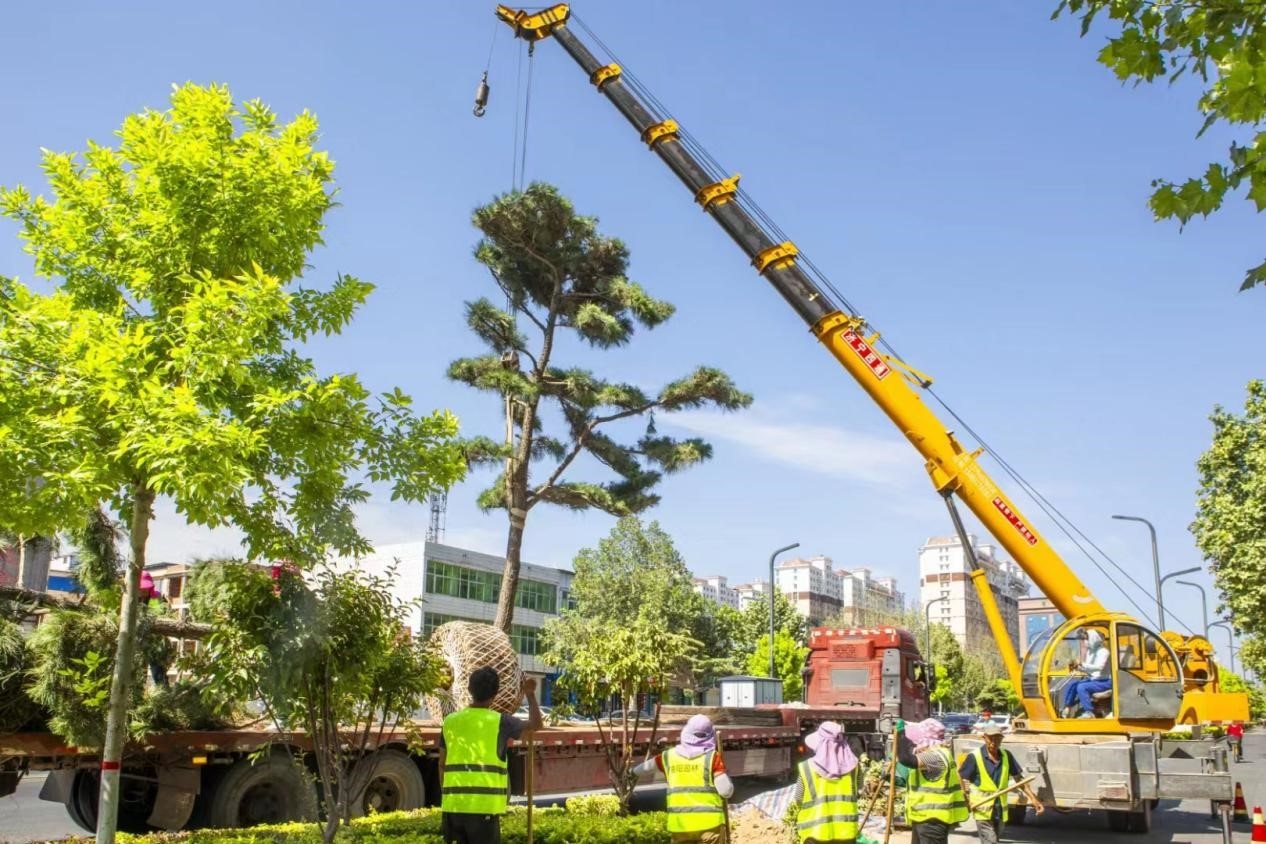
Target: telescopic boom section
(888, 381)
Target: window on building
(461, 582)
(525, 640)
(174, 586)
(534, 595)
(432, 620)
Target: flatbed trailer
(182, 780)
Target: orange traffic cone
(1259, 826)
(1240, 815)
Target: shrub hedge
(549, 826)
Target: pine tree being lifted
(561, 276)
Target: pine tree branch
(582, 441)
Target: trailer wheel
(395, 784)
(80, 805)
(136, 801)
(273, 790)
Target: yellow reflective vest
(828, 807)
(476, 779)
(940, 799)
(693, 802)
(987, 784)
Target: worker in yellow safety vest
(474, 773)
(935, 802)
(698, 785)
(826, 789)
(988, 770)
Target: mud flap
(177, 790)
(57, 785)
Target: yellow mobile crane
(1149, 691)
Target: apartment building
(750, 593)
(716, 590)
(812, 585)
(866, 601)
(944, 577)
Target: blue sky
(965, 173)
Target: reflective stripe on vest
(828, 807)
(987, 784)
(693, 803)
(476, 780)
(940, 799)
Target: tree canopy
(564, 283)
(1230, 523)
(1222, 43)
(165, 362)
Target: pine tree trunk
(510, 577)
(116, 721)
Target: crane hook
(481, 96)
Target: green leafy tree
(999, 696)
(566, 285)
(164, 363)
(1223, 43)
(755, 623)
(945, 689)
(978, 674)
(332, 657)
(1253, 654)
(1230, 523)
(626, 640)
(789, 657)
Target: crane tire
(273, 790)
(395, 784)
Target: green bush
(602, 805)
(550, 826)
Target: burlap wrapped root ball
(466, 647)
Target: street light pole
(1160, 601)
(1204, 607)
(1230, 640)
(772, 591)
(927, 620)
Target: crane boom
(888, 381)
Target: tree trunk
(116, 720)
(510, 577)
(35, 555)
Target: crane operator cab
(1104, 667)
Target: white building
(751, 593)
(716, 590)
(867, 601)
(812, 585)
(944, 573)
(455, 584)
(820, 592)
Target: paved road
(25, 819)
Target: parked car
(1003, 721)
(957, 724)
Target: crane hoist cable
(717, 172)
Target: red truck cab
(874, 674)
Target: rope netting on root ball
(466, 647)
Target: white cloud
(822, 449)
